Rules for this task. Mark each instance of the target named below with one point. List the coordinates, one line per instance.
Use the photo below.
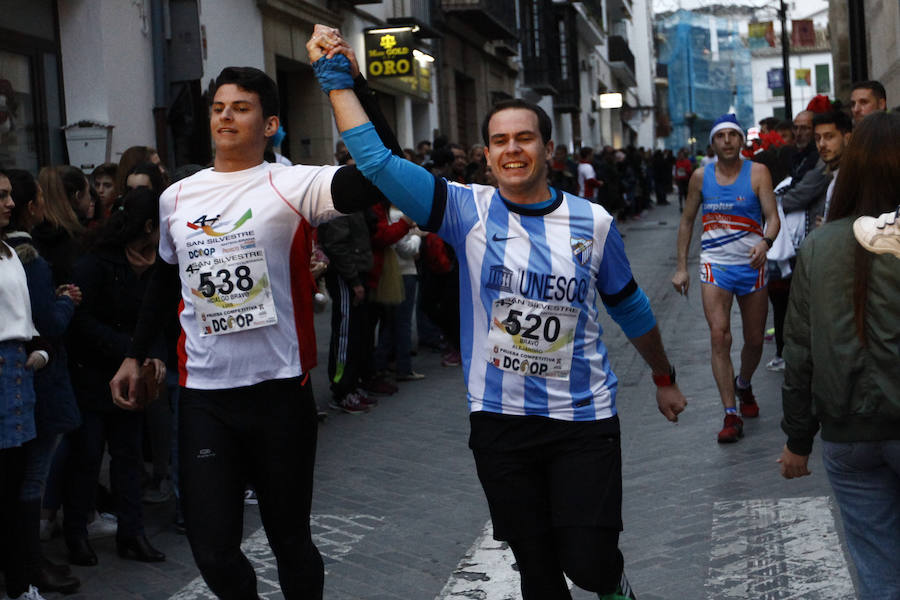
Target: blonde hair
(58, 210)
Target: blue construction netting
(702, 81)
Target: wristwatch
(769, 241)
(665, 380)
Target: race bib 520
(531, 337)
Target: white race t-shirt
(241, 242)
(585, 171)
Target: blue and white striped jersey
(531, 284)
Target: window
(823, 80)
(17, 124)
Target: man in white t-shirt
(587, 176)
(235, 245)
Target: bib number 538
(228, 280)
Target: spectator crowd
(78, 251)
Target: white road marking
(486, 572)
(777, 549)
(334, 535)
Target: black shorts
(540, 473)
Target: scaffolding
(709, 75)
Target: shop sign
(389, 54)
(392, 63)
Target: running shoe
(411, 376)
(749, 407)
(380, 387)
(103, 525)
(350, 404)
(776, 364)
(451, 358)
(365, 399)
(623, 591)
(880, 235)
(732, 431)
(31, 594)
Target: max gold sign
(389, 54)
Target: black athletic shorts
(540, 473)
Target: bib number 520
(532, 323)
(229, 280)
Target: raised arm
(410, 187)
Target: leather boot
(46, 563)
(80, 552)
(138, 548)
(48, 580)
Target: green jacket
(831, 379)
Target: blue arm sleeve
(406, 184)
(633, 314)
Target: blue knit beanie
(728, 121)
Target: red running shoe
(379, 387)
(732, 431)
(749, 407)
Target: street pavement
(398, 511)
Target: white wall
(234, 36)
(641, 44)
(107, 64)
(764, 102)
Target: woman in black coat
(113, 277)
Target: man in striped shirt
(535, 265)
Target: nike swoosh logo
(503, 239)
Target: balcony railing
(569, 87)
(621, 60)
(540, 46)
(494, 19)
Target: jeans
(395, 333)
(38, 456)
(865, 477)
(264, 432)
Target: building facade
(142, 71)
(865, 44)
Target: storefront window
(18, 147)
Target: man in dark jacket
(345, 241)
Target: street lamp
(689, 118)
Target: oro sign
(389, 53)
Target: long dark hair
(126, 223)
(24, 191)
(151, 171)
(867, 185)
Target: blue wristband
(333, 73)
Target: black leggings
(264, 432)
(12, 527)
(588, 555)
(779, 294)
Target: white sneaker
(158, 495)
(776, 364)
(103, 525)
(31, 594)
(880, 235)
